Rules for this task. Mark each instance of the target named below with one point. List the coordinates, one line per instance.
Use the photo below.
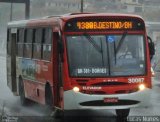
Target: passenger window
(37, 51)
(37, 45)
(47, 44)
(38, 35)
(20, 42)
(47, 35)
(29, 36)
(20, 50)
(21, 35)
(47, 52)
(28, 43)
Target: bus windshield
(106, 55)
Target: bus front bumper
(77, 100)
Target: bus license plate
(111, 100)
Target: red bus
(81, 61)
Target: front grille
(109, 83)
(82, 84)
(94, 92)
(126, 91)
(102, 103)
(82, 81)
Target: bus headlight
(76, 89)
(141, 87)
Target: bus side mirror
(151, 47)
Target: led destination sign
(105, 25)
(92, 24)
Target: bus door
(11, 59)
(57, 66)
(60, 69)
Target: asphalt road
(11, 109)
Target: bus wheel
(122, 112)
(49, 98)
(23, 99)
(57, 113)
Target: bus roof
(74, 15)
(52, 20)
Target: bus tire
(122, 113)
(23, 99)
(49, 98)
(59, 114)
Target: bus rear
(106, 62)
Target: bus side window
(47, 44)
(20, 42)
(28, 43)
(9, 42)
(37, 43)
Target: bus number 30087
(135, 80)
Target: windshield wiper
(95, 45)
(115, 53)
(92, 41)
(120, 42)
